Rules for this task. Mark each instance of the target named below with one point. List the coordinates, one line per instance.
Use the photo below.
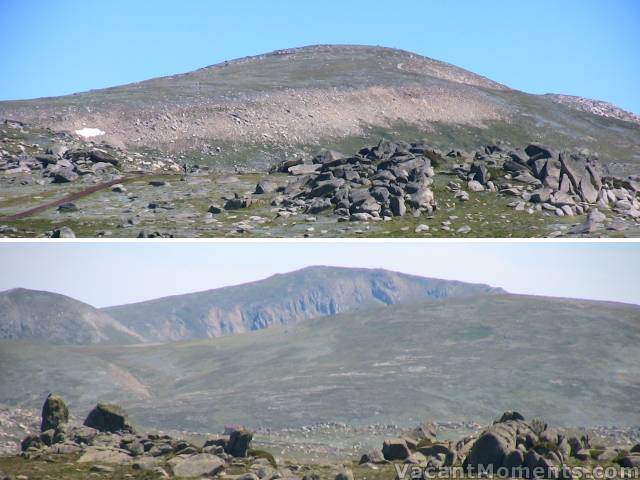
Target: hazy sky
(114, 273)
(582, 47)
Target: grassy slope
(571, 361)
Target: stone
(583, 455)
(101, 469)
(397, 206)
(510, 416)
(30, 442)
(480, 173)
(239, 442)
(328, 156)
(345, 474)
(304, 169)
(475, 186)
(214, 209)
(434, 450)
(104, 455)
(284, 166)
(541, 195)
(395, 449)
(374, 456)
(630, 461)
(266, 186)
(108, 418)
(65, 175)
(63, 232)
(98, 156)
(538, 151)
(202, 464)
(514, 459)
(54, 413)
(67, 207)
(489, 450)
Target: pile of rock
(107, 437)
(385, 180)
(564, 183)
(511, 445)
(59, 157)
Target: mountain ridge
(292, 297)
(250, 112)
(279, 299)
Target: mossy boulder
(54, 413)
(107, 417)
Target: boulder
(537, 151)
(68, 207)
(108, 418)
(328, 156)
(239, 442)
(31, 442)
(63, 232)
(105, 455)
(541, 195)
(65, 175)
(436, 449)
(480, 173)
(54, 413)
(202, 464)
(511, 416)
(514, 459)
(304, 169)
(475, 186)
(397, 206)
(374, 456)
(630, 461)
(425, 432)
(395, 449)
(345, 474)
(490, 449)
(98, 156)
(283, 167)
(266, 186)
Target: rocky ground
(106, 445)
(393, 188)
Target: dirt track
(68, 198)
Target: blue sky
(114, 273)
(582, 47)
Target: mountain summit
(249, 110)
(278, 300)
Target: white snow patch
(89, 132)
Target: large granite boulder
(54, 413)
(108, 418)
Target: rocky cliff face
(280, 300)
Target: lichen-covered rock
(54, 413)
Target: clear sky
(581, 47)
(103, 274)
